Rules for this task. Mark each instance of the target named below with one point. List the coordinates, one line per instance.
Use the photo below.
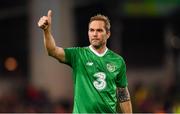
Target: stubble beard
(97, 44)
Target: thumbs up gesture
(45, 21)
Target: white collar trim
(95, 52)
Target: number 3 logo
(100, 82)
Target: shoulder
(115, 55)
(75, 49)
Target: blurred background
(145, 32)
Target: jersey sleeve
(70, 56)
(121, 80)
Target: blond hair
(105, 19)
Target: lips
(95, 39)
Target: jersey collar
(95, 52)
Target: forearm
(124, 100)
(52, 49)
(126, 107)
(49, 42)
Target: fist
(45, 21)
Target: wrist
(47, 30)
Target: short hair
(100, 17)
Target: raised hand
(45, 21)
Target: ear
(108, 34)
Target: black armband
(123, 94)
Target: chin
(96, 46)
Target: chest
(93, 65)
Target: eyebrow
(99, 29)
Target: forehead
(97, 24)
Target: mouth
(95, 39)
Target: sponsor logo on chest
(89, 63)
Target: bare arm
(49, 42)
(124, 100)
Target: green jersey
(95, 78)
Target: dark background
(142, 41)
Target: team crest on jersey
(111, 67)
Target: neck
(99, 50)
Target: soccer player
(99, 74)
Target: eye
(100, 30)
(91, 30)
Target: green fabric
(95, 79)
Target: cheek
(104, 37)
(89, 34)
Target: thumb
(49, 15)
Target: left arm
(124, 100)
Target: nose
(95, 33)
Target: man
(99, 74)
